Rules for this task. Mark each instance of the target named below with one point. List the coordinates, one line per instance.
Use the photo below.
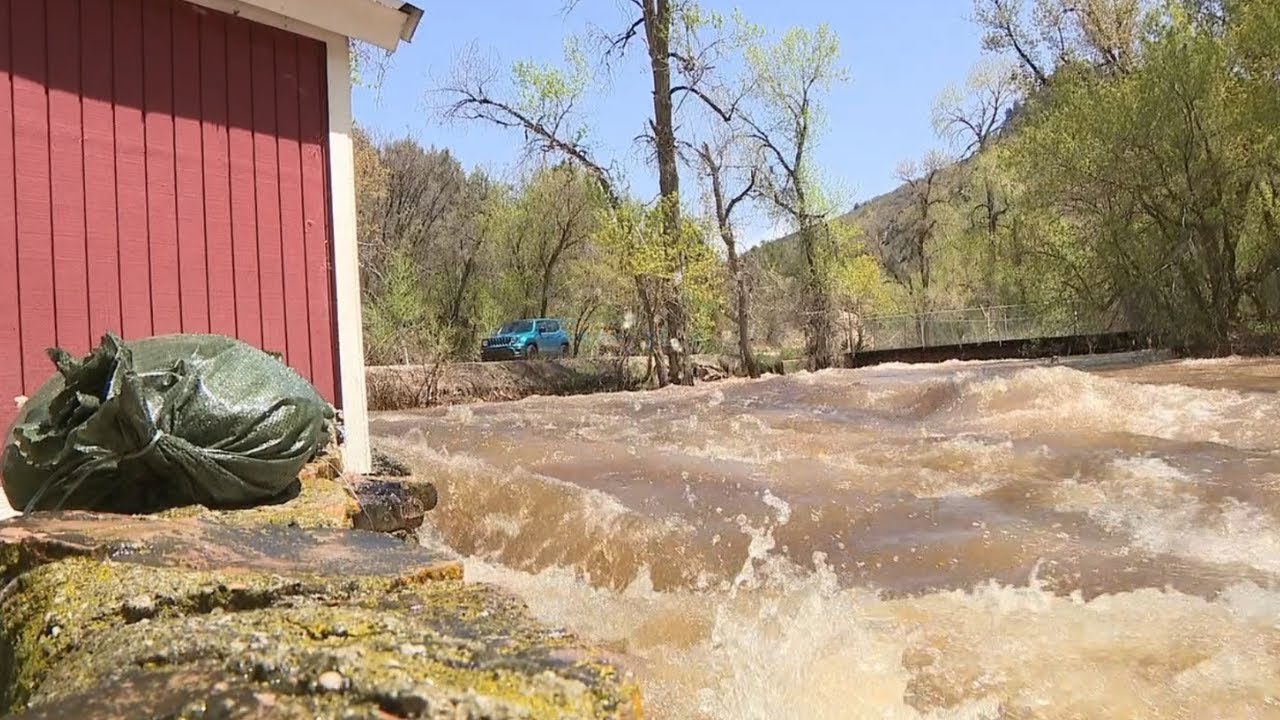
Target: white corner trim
(346, 262)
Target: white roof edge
(413, 12)
(384, 23)
(413, 18)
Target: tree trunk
(657, 17)
(816, 303)
(544, 292)
(583, 323)
(993, 218)
(651, 327)
(742, 299)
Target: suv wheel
(531, 352)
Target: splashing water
(966, 540)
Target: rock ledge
(275, 613)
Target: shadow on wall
(127, 54)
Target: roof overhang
(384, 23)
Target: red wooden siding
(33, 196)
(96, 110)
(313, 98)
(217, 173)
(162, 169)
(11, 375)
(71, 291)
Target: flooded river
(966, 540)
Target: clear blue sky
(900, 54)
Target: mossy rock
(277, 612)
(168, 642)
(321, 499)
(318, 503)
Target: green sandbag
(164, 422)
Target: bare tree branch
(619, 43)
(975, 117)
(544, 130)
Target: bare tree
(716, 166)
(1051, 33)
(548, 120)
(1006, 28)
(783, 114)
(419, 205)
(425, 188)
(971, 119)
(920, 222)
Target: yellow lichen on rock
(278, 611)
(82, 627)
(322, 500)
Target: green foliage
(684, 267)
(789, 78)
(1133, 186)
(550, 92)
(1168, 193)
(800, 60)
(446, 257)
(400, 327)
(863, 287)
(540, 230)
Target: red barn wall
(163, 169)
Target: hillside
(882, 220)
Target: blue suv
(528, 339)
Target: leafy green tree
(634, 236)
(400, 326)
(860, 288)
(784, 113)
(1169, 193)
(540, 232)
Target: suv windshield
(516, 328)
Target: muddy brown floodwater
(1095, 539)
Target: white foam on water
(1157, 505)
(1060, 399)
(460, 415)
(1152, 470)
(780, 506)
(795, 645)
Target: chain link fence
(975, 325)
